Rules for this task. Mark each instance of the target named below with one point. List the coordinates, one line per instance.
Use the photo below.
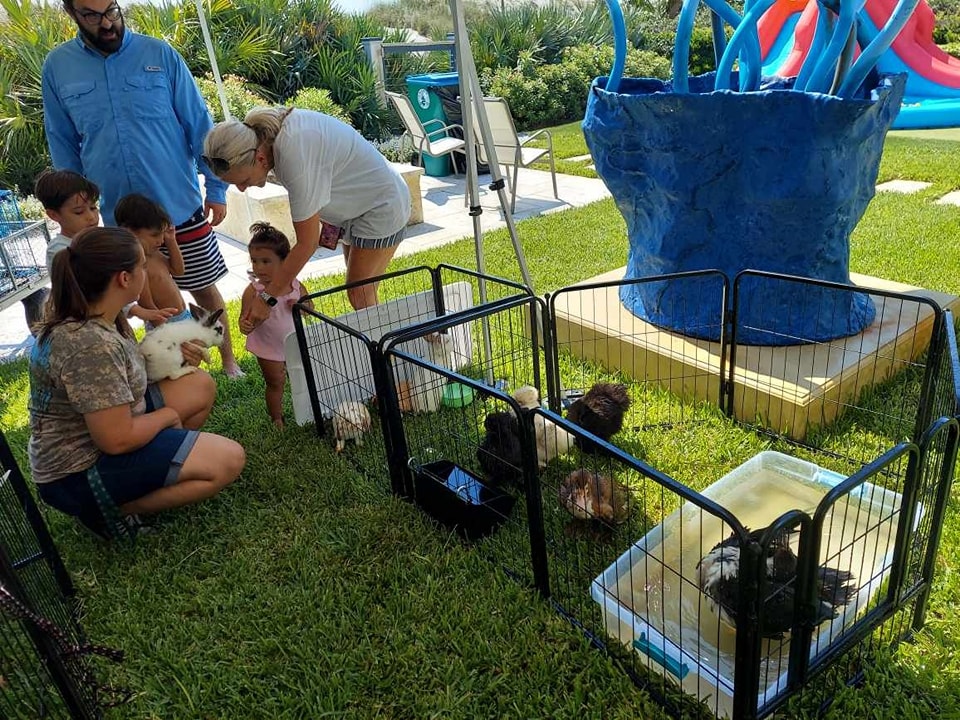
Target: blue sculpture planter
(773, 180)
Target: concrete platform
(792, 389)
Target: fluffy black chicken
(600, 411)
(719, 579)
(500, 453)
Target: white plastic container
(341, 362)
(652, 603)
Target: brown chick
(600, 411)
(590, 496)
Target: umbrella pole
(208, 41)
(471, 100)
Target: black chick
(500, 454)
(719, 579)
(600, 411)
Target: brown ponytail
(82, 271)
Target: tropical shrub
(430, 18)
(592, 62)
(503, 35)
(947, 26)
(398, 148)
(319, 100)
(280, 48)
(952, 48)
(27, 34)
(540, 95)
(31, 208)
(339, 65)
(702, 58)
(240, 99)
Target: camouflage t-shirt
(79, 368)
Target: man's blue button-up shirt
(132, 121)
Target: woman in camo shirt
(93, 417)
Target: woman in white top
(329, 170)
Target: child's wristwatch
(267, 298)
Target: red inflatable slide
(933, 82)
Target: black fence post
(747, 670)
(47, 548)
(540, 563)
(398, 458)
(308, 370)
(936, 522)
(47, 651)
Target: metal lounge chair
(429, 137)
(512, 151)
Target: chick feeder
(732, 171)
(649, 606)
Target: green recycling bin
(420, 89)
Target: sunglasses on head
(218, 165)
(93, 18)
(221, 165)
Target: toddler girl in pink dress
(268, 248)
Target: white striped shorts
(373, 243)
(201, 255)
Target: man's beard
(94, 39)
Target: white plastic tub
(341, 362)
(651, 601)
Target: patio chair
(510, 149)
(429, 137)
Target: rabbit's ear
(198, 313)
(212, 319)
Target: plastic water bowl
(458, 499)
(457, 395)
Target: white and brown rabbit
(161, 346)
(351, 420)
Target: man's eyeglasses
(220, 165)
(93, 18)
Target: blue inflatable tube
(822, 77)
(749, 57)
(619, 44)
(820, 35)
(747, 30)
(880, 44)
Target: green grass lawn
(306, 590)
(568, 143)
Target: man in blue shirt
(123, 110)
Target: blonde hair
(232, 140)
(266, 122)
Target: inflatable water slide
(932, 97)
